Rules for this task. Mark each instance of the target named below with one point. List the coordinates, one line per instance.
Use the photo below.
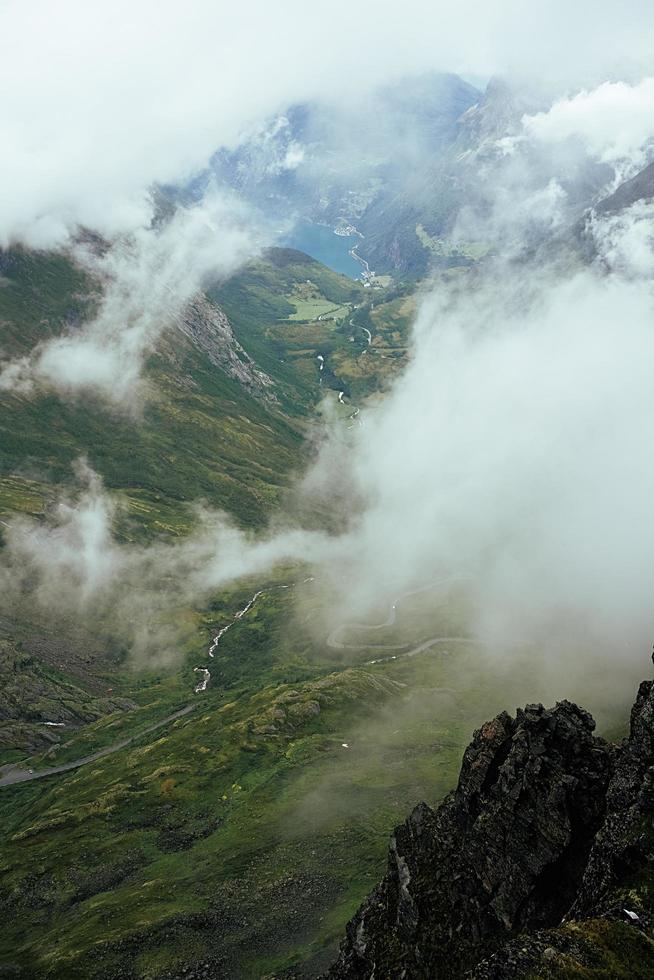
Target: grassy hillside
(190, 441)
(245, 833)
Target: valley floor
(244, 833)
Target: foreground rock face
(547, 821)
(625, 843)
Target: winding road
(334, 641)
(367, 274)
(12, 774)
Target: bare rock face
(539, 865)
(624, 845)
(608, 929)
(505, 852)
(210, 330)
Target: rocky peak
(545, 823)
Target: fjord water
(321, 243)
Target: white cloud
(147, 278)
(72, 566)
(293, 157)
(515, 449)
(615, 121)
(625, 241)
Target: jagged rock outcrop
(210, 330)
(609, 925)
(625, 842)
(547, 822)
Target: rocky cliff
(210, 330)
(539, 864)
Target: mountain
(329, 163)
(539, 864)
(461, 204)
(638, 188)
(420, 175)
(576, 241)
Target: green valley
(222, 798)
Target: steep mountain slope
(189, 442)
(547, 822)
(638, 188)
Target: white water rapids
(202, 686)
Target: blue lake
(321, 243)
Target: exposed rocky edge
(639, 188)
(625, 843)
(547, 822)
(210, 330)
